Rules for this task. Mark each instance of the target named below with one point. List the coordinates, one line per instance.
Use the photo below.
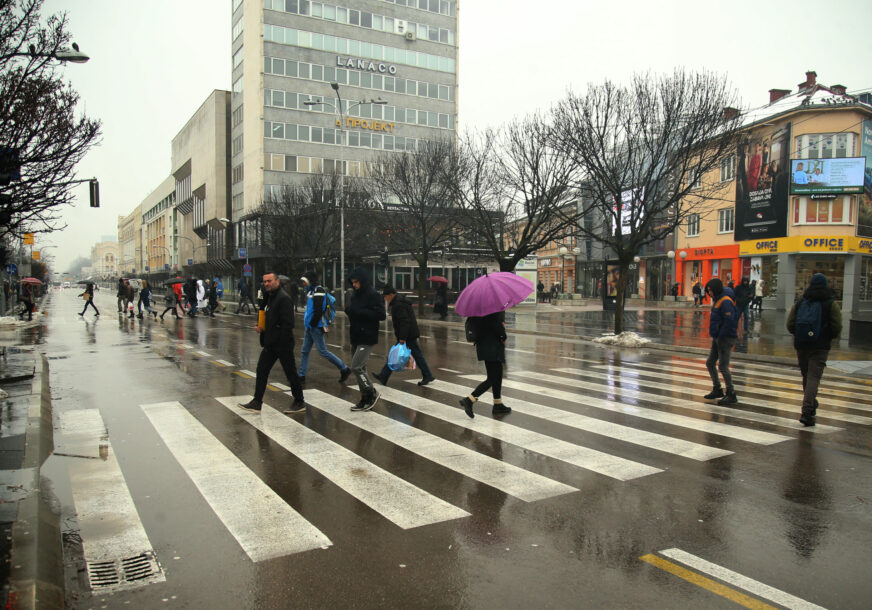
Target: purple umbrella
(492, 293)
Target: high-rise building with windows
(398, 57)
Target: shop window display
(831, 266)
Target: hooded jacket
(724, 319)
(403, 318)
(831, 314)
(365, 310)
(744, 294)
(278, 333)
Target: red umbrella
(31, 280)
(438, 279)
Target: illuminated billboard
(823, 176)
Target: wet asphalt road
(642, 495)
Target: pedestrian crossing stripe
(204, 354)
(270, 386)
(402, 503)
(109, 524)
(628, 373)
(682, 421)
(651, 440)
(224, 363)
(766, 370)
(280, 386)
(264, 525)
(738, 580)
(589, 459)
(673, 402)
(512, 480)
(243, 374)
(249, 373)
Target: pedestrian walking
(144, 302)
(277, 341)
(213, 298)
(27, 301)
(219, 292)
(171, 300)
(406, 332)
(744, 294)
(697, 294)
(540, 291)
(365, 311)
(315, 327)
(294, 292)
(441, 305)
(180, 304)
(130, 293)
(244, 296)
(814, 321)
(490, 346)
(758, 295)
(201, 296)
(88, 295)
(121, 293)
(190, 292)
(723, 325)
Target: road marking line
(590, 459)
(395, 499)
(743, 582)
(204, 354)
(260, 520)
(270, 386)
(659, 442)
(514, 481)
(738, 413)
(682, 421)
(759, 369)
(706, 583)
(249, 373)
(225, 363)
(109, 523)
(628, 372)
(241, 374)
(280, 386)
(451, 371)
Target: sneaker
(381, 380)
(298, 406)
(344, 374)
(81, 314)
(426, 380)
(367, 403)
(501, 410)
(359, 405)
(807, 420)
(715, 393)
(466, 403)
(729, 398)
(252, 405)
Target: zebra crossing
(267, 525)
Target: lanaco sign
(365, 65)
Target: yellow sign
(807, 244)
(368, 124)
(36, 255)
(28, 239)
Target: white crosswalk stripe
(671, 400)
(510, 479)
(788, 401)
(583, 457)
(263, 525)
(682, 421)
(280, 386)
(776, 372)
(402, 503)
(627, 434)
(109, 523)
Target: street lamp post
(338, 108)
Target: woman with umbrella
(88, 295)
(440, 305)
(484, 302)
(27, 297)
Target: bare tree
(414, 196)
(515, 189)
(41, 138)
(643, 152)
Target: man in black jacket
(744, 294)
(277, 341)
(406, 330)
(365, 311)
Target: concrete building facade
(159, 226)
(105, 260)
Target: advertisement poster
(629, 208)
(762, 185)
(823, 176)
(864, 218)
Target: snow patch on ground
(14, 321)
(625, 339)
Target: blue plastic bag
(398, 357)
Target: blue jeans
(315, 336)
(412, 344)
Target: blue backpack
(329, 314)
(809, 321)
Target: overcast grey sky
(153, 63)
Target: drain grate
(139, 569)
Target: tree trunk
(422, 279)
(506, 264)
(624, 267)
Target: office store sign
(810, 244)
(366, 65)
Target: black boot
(715, 393)
(729, 398)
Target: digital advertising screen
(827, 176)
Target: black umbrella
(175, 280)
(85, 282)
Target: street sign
(190, 261)
(167, 266)
(12, 269)
(246, 273)
(147, 268)
(36, 255)
(28, 239)
(246, 267)
(243, 253)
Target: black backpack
(809, 321)
(472, 329)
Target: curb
(36, 574)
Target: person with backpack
(723, 325)
(319, 314)
(170, 302)
(244, 296)
(814, 321)
(407, 333)
(365, 311)
(489, 335)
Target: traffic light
(385, 261)
(10, 165)
(94, 190)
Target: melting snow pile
(625, 339)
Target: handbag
(398, 356)
(85, 296)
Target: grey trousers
(720, 355)
(360, 354)
(811, 364)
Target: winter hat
(388, 289)
(818, 279)
(310, 278)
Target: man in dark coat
(722, 329)
(812, 354)
(744, 294)
(407, 333)
(365, 311)
(277, 341)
